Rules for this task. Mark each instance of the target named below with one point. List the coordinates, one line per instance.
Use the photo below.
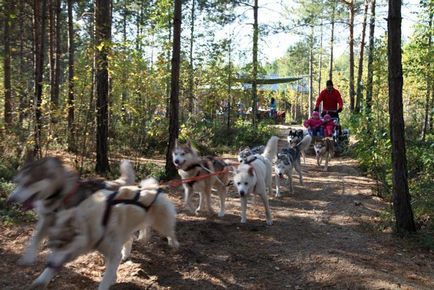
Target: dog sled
(340, 137)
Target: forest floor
(328, 234)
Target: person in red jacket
(331, 99)
(314, 125)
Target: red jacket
(330, 100)
(313, 123)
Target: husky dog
(243, 154)
(191, 165)
(324, 148)
(254, 177)
(269, 151)
(105, 223)
(296, 137)
(287, 160)
(49, 186)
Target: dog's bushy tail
(127, 172)
(305, 142)
(270, 151)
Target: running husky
(296, 137)
(269, 151)
(254, 176)
(287, 160)
(49, 186)
(106, 223)
(191, 165)
(324, 148)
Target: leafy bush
(11, 213)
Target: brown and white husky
(191, 165)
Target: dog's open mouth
(28, 204)
(179, 165)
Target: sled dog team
(82, 215)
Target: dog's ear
(176, 142)
(251, 171)
(188, 143)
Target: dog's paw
(269, 222)
(173, 243)
(221, 214)
(243, 220)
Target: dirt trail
(325, 236)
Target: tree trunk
(369, 85)
(174, 94)
(39, 10)
(401, 196)
(310, 107)
(229, 84)
(191, 68)
(102, 42)
(23, 96)
(362, 50)
(429, 82)
(8, 7)
(320, 59)
(351, 44)
(52, 45)
(332, 37)
(125, 68)
(57, 53)
(71, 96)
(255, 64)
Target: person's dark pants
(316, 132)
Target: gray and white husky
(200, 171)
(301, 140)
(106, 223)
(49, 186)
(324, 149)
(269, 151)
(287, 160)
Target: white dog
(287, 160)
(105, 223)
(49, 186)
(254, 177)
(201, 169)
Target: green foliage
(11, 213)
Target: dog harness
(111, 201)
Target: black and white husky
(201, 173)
(49, 186)
(287, 160)
(301, 139)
